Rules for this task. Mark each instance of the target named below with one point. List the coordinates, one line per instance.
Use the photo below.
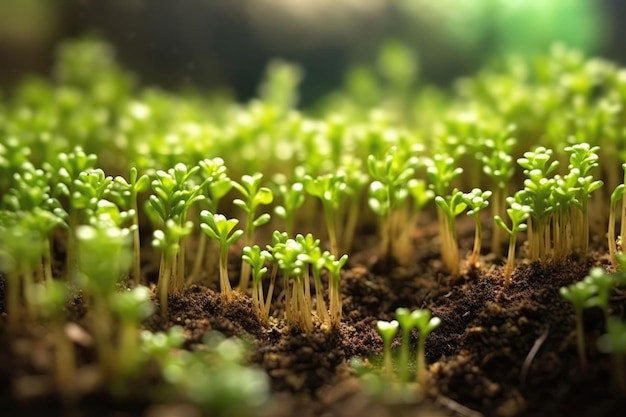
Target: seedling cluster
(106, 173)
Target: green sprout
(30, 195)
(312, 254)
(602, 283)
(614, 342)
(257, 258)
(131, 307)
(334, 291)
(387, 331)
(125, 192)
(387, 192)
(579, 294)
(218, 227)
(448, 209)
(254, 195)
(499, 167)
(174, 194)
(518, 213)
(215, 184)
(293, 197)
(583, 158)
(329, 189)
(71, 174)
(537, 194)
(425, 325)
(51, 299)
(167, 241)
(616, 196)
(297, 305)
(476, 201)
(356, 180)
(105, 256)
(19, 260)
(407, 324)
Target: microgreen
(579, 294)
(297, 305)
(218, 227)
(476, 201)
(329, 188)
(518, 213)
(602, 283)
(254, 195)
(583, 158)
(19, 260)
(125, 193)
(407, 324)
(387, 331)
(448, 209)
(215, 185)
(425, 325)
(334, 275)
(105, 256)
(292, 196)
(616, 196)
(167, 241)
(174, 193)
(313, 256)
(131, 307)
(387, 191)
(498, 166)
(50, 299)
(257, 258)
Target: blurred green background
(228, 43)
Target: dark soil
(500, 351)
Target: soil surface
(500, 351)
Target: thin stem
(580, 338)
(225, 287)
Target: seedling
(537, 195)
(297, 305)
(334, 270)
(174, 193)
(313, 256)
(616, 196)
(387, 192)
(75, 178)
(257, 258)
(125, 192)
(476, 200)
(215, 185)
(602, 284)
(425, 325)
(19, 260)
(168, 242)
(329, 189)
(499, 167)
(293, 197)
(50, 299)
(407, 324)
(218, 227)
(518, 213)
(387, 331)
(579, 294)
(448, 209)
(131, 307)
(583, 158)
(105, 256)
(254, 195)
